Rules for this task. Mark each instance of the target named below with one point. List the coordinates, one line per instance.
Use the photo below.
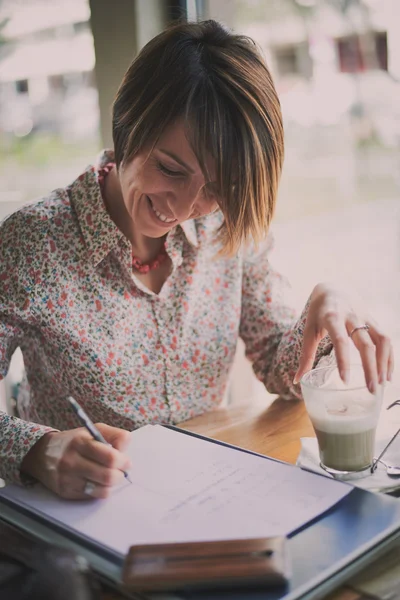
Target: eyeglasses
(376, 460)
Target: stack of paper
(188, 489)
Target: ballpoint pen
(90, 426)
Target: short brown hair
(221, 85)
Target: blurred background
(336, 65)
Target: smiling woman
(114, 286)
(218, 88)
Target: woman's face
(166, 187)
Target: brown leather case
(207, 565)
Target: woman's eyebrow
(176, 159)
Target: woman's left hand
(331, 313)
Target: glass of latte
(345, 417)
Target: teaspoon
(391, 470)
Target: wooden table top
(274, 430)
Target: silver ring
(366, 327)
(89, 488)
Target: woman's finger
(118, 438)
(311, 339)
(390, 364)
(336, 329)
(364, 344)
(73, 488)
(102, 454)
(383, 351)
(82, 468)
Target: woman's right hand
(66, 461)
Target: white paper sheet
(187, 489)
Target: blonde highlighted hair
(219, 83)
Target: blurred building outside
(49, 115)
(46, 73)
(336, 65)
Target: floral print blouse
(87, 327)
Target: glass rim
(331, 389)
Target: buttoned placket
(175, 249)
(160, 305)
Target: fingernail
(371, 387)
(389, 376)
(382, 378)
(345, 376)
(296, 378)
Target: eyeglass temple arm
(396, 402)
(375, 462)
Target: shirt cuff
(18, 438)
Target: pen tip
(127, 477)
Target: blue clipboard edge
(107, 564)
(347, 568)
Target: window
(382, 50)
(357, 54)
(57, 83)
(286, 60)
(22, 86)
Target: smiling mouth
(159, 215)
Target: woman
(129, 288)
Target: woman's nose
(186, 199)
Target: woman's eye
(167, 171)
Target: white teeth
(161, 216)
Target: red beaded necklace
(137, 264)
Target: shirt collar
(190, 231)
(99, 231)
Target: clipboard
(323, 554)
